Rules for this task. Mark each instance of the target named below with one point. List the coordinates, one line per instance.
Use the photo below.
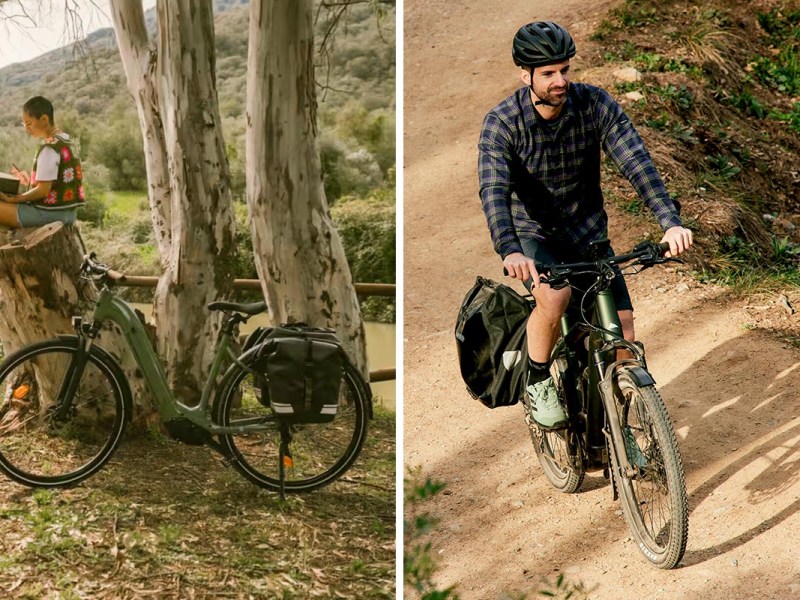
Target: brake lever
(555, 278)
(558, 284)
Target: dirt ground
(730, 387)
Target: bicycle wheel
(320, 453)
(654, 499)
(43, 447)
(558, 451)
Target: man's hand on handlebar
(521, 267)
(679, 240)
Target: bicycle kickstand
(284, 459)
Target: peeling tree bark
(198, 268)
(139, 61)
(299, 254)
(175, 92)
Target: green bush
(367, 227)
(95, 178)
(119, 147)
(346, 170)
(368, 230)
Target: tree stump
(40, 289)
(40, 292)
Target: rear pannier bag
(491, 342)
(299, 371)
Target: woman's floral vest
(67, 189)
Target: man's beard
(549, 99)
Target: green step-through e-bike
(65, 402)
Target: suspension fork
(72, 378)
(606, 386)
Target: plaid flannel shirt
(541, 179)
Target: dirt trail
(731, 390)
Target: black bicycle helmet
(542, 43)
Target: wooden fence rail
(362, 289)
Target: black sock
(537, 371)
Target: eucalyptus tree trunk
(299, 254)
(175, 91)
(139, 60)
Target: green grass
(792, 118)
(636, 13)
(749, 104)
(168, 520)
(741, 266)
(680, 97)
(781, 72)
(127, 204)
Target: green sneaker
(545, 407)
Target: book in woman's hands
(9, 184)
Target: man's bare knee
(551, 302)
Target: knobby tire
(552, 447)
(654, 502)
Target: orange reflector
(287, 461)
(21, 391)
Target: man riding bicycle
(539, 172)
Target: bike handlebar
(648, 253)
(91, 268)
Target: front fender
(640, 376)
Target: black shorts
(544, 253)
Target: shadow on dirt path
(731, 391)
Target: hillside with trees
(356, 118)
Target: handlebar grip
(540, 268)
(663, 247)
(115, 275)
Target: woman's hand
(23, 176)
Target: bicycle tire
(39, 449)
(654, 501)
(553, 448)
(321, 453)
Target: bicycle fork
(614, 433)
(72, 377)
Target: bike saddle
(252, 308)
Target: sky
(22, 38)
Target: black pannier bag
(298, 371)
(491, 342)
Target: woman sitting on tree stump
(56, 181)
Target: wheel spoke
(654, 498)
(553, 448)
(37, 449)
(321, 452)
